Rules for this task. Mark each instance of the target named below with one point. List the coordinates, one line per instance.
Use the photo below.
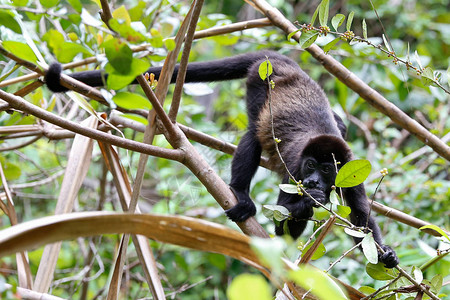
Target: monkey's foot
(389, 258)
(241, 211)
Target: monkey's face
(317, 178)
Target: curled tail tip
(52, 78)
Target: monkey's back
(300, 110)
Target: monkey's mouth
(317, 194)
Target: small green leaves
(290, 35)
(7, 20)
(323, 12)
(265, 69)
(337, 21)
(343, 211)
(321, 250)
(122, 67)
(20, 50)
(308, 38)
(448, 75)
(331, 44)
(379, 272)
(350, 20)
(131, 101)
(275, 212)
(364, 28)
(354, 233)
(353, 173)
(427, 76)
(49, 3)
(288, 188)
(369, 248)
(119, 55)
(386, 43)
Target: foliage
(71, 30)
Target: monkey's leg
(244, 165)
(356, 199)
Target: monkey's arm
(301, 209)
(245, 163)
(356, 199)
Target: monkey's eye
(327, 169)
(310, 165)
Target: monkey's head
(317, 167)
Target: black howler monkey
(308, 129)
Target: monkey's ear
(322, 146)
(52, 78)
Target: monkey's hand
(389, 258)
(317, 194)
(244, 209)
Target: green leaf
(314, 16)
(350, 20)
(265, 69)
(353, 173)
(121, 14)
(418, 60)
(386, 43)
(427, 76)
(20, 50)
(126, 31)
(239, 288)
(364, 28)
(277, 212)
(49, 3)
(288, 188)
(308, 38)
(20, 2)
(137, 11)
(129, 100)
(7, 20)
(344, 211)
(331, 44)
(354, 233)
(369, 248)
(448, 75)
(11, 170)
(337, 21)
(436, 283)
(318, 282)
(68, 50)
(436, 228)
(367, 290)
(321, 250)
(54, 39)
(136, 118)
(323, 12)
(119, 55)
(76, 5)
(169, 44)
(418, 275)
(290, 35)
(379, 272)
(117, 80)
